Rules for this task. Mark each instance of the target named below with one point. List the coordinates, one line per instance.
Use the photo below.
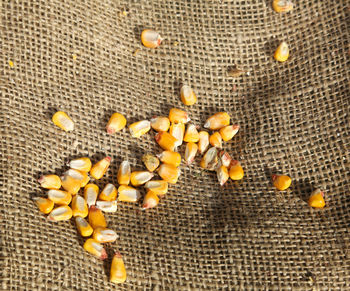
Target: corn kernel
(281, 182)
(124, 173)
(160, 123)
(104, 235)
(169, 173)
(139, 128)
(79, 206)
(210, 159)
(59, 197)
(222, 174)
(217, 121)
(45, 205)
(282, 5)
(177, 130)
(203, 141)
(128, 194)
(225, 159)
(159, 187)
(216, 140)
(100, 168)
(150, 38)
(71, 181)
(63, 121)
(118, 272)
(139, 178)
(116, 123)
(81, 164)
(178, 116)
(316, 199)
(96, 217)
(282, 52)
(171, 158)
(191, 134)
(107, 206)
(236, 171)
(190, 152)
(150, 161)
(95, 248)
(228, 132)
(83, 227)
(50, 182)
(90, 194)
(151, 200)
(109, 193)
(188, 97)
(166, 140)
(60, 213)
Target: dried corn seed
(139, 178)
(71, 181)
(203, 141)
(210, 159)
(188, 97)
(116, 123)
(151, 200)
(316, 199)
(222, 174)
(80, 164)
(124, 173)
(63, 121)
(190, 152)
(128, 194)
(225, 159)
(160, 123)
(217, 121)
(281, 182)
(166, 140)
(169, 173)
(118, 272)
(178, 116)
(100, 168)
(228, 132)
(59, 197)
(282, 5)
(282, 52)
(191, 134)
(109, 193)
(90, 194)
(150, 161)
(159, 187)
(96, 217)
(236, 171)
(95, 248)
(45, 205)
(107, 206)
(150, 38)
(139, 128)
(79, 206)
(216, 140)
(60, 213)
(104, 235)
(177, 130)
(84, 228)
(50, 182)
(171, 158)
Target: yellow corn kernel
(222, 174)
(79, 206)
(191, 134)
(107, 206)
(169, 173)
(118, 272)
(124, 173)
(281, 182)
(316, 199)
(225, 159)
(159, 187)
(81, 164)
(104, 235)
(282, 52)
(216, 140)
(210, 159)
(50, 182)
(90, 194)
(63, 121)
(96, 217)
(190, 152)
(228, 132)
(71, 181)
(151, 200)
(59, 197)
(83, 227)
(217, 121)
(128, 194)
(177, 130)
(11, 64)
(188, 97)
(100, 168)
(139, 128)
(80, 176)
(166, 140)
(282, 5)
(139, 178)
(203, 141)
(116, 123)
(60, 213)
(109, 193)
(178, 116)
(150, 38)
(236, 171)
(171, 158)
(45, 205)
(95, 248)
(160, 123)
(150, 161)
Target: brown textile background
(294, 119)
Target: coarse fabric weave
(86, 58)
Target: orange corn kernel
(228, 132)
(171, 158)
(109, 193)
(151, 200)
(150, 161)
(216, 140)
(71, 181)
(160, 123)
(80, 164)
(222, 174)
(169, 173)
(124, 173)
(203, 141)
(159, 187)
(90, 194)
(128, 194)
(59, 197)
(236, 171)
(107, 206)
(63, 121)
(79, 206)
(96, 217)
(100, 168)
(281, 182)
(225, 159)
(178, 116)
(118, 272)
(139, 128)
(150, 38)
(316, 199)
(95, 248)
(116, 123)
(166, 140)
(282, 5)
(210, 159)
(83, 227)
(217, 121)
(188, 97)
(45, 205)
(190, 152)
(139, 178)
(50, 182)
(191, 134)
(177, 130)
(104, 235)
(282, 52)
(60, 213)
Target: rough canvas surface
(79, 57)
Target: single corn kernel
(188, 97)
(96, 217)
(160, 123)
(203, 142)
(210, 159)
(177, 130)
(104, 235)
(63, 121)
(222, 174)
(282, 52)
(190, 152)
(171, 158)
(228, 132)
(139, 178)
(79, 206)
(71, 181)
(95, 248)
(282, 5)
(159, 187)
(118, 272)
(109, 193)
(100, 168)
(166, 140)
(316, 199)
(191, 134)
(83, 227)
(116, 123)
(281, 182)
(90, 194)
(236, 171)
(217, 121)
(45, 205)
(107, 206)
(128, 194)
(124, 173)
(50, 182)
(178, 116)
(216, 140)
(225, 159)
(169, 173)
(139, 128)
(150, 161)
(81, 164)
(60, 213)
(151, 200)
(150, 38)
(80, 176)
(59, 197)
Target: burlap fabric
(79, 56)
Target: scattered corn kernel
(282, 5)
(124, 173)
(71, 181)
(236, 171)
(83, 227)
(116, 123)
(228, 132)
(63, 121)
(79, 206)
(217, 121)
(104, 235)
(45, 205)
(203, 141)
(160, 123)
(128, 194)
(107, 206)
(159, 187)
(61, 213)
(90, 194)
(171, 158)
(151, 200)
(118, 272)
(59, 197)
(188, 97)
(139, 178)
(95, 248)
(178, 116)
(216, 140)
(281, 182)
(177, 130)
(191, 134)
(166, 140)
(282, 52)
(169, 173)
(109, 193)
(100, 168)
(210, 159)
(81, 164)
(150, 161)
(96, 217)
(225, 159)
(190, 152)
(50, 182)
(150, 38)
(222, 174)
(139, 128)
(316, 199)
